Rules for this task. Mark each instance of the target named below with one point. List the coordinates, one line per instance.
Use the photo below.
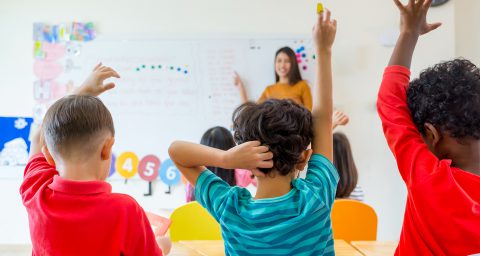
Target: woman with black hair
(288, 81)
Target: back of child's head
(221, 138)
(447, 96)
(343, 161)
(282, 125)
(294, 75)
(76, 124)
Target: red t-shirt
(442, 215)
(82, 217)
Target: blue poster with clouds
(14, 140)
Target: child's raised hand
(414, 17)
(339, 118)
(324, 31)
(94, 84)
(249, 155)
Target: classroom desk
(179, 249)
(26, 250)
(376, 248)
(216, 248)
(205, 247)
(343, 248)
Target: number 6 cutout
(169, 173)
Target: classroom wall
(359, 59)
(467, 22)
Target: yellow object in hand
(319, 7)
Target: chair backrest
(192, 222)
(353, 220)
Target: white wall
(359, 62)
(467, 21)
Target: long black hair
(221, 138)
(294, 75)
(343, 161)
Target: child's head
(343, 161)
(445, 103)
(221, 138)
(282, 125)
(286, 65)
(79, 129)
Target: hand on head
(250, 156)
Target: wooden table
(376, 248)
(216, 248)
(343, 248)
(205, 247)
(179, 249)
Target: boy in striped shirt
(287, 216)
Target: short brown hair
(74, 119)
(282, 125)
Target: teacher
(288, 81)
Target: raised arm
(413, 23)
(191, 158)
(405, 141)
(241, 87)
(323, 35)
(37, 142)
(93, 85)
(339, 118)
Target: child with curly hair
(432, 126)
(287, 216)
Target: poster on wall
(14, 140)
(56, 49)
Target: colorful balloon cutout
(127, 164)
(148, 167)
(169, 173)
(112, 165)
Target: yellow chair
(353, 220)
(192, 222)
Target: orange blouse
(299, 92)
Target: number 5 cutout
(148, 167)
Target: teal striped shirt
(297, 223)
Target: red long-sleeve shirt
(442, 215)
(82, 217)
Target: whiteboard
(175, 89)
